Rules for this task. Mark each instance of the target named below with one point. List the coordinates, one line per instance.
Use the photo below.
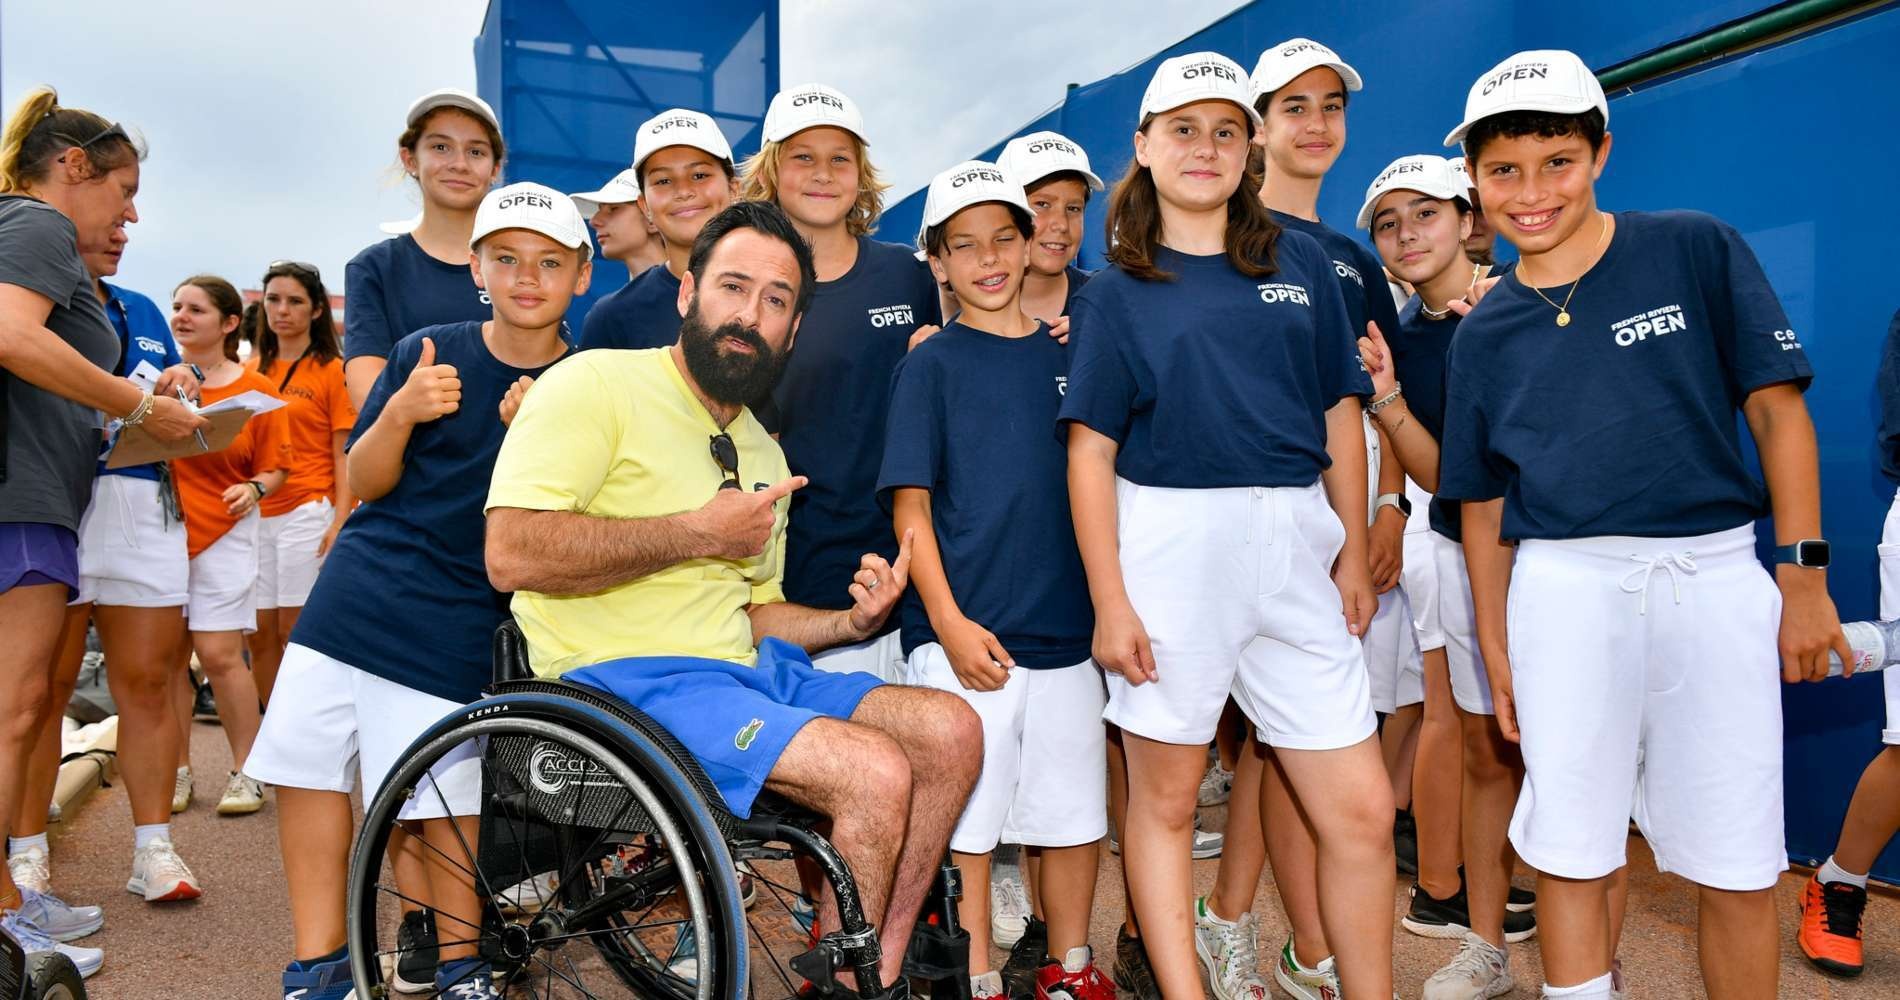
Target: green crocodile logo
(743, 740)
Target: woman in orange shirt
(298, 354)
(220, 494)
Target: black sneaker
(1132, 971)
(1405, 842)
(1521, 901)
(416, 953)
(1026, 958)
(204, 707)
(1431, 917)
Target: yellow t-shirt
(617, 434)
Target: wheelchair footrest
(938, 953)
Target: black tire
(570, 788)
(51, 976)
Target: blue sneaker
(321, 981)
(58, 919)
(467, 979)
(32, 939)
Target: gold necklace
(1563, 311)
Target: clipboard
(134, 446)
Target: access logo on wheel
(551, 769)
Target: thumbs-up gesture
(736, 524)
(433, 391)
(511, 401)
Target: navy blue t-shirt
(404, 594)
(1361, 275)
(395, 288)
(1215, 379)
(146, 348)
(641, 314)
(1419, 350)
(1623, 422)
(1888, 384)
(829, 410)
(970, 418)
(1077, 278)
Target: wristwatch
(1399, 500)
(1811, 553)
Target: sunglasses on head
(726, 454)
(295, 265)
(114, 129)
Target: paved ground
(233, 943)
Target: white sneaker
(1216, 786)
(243, 795)
(1207, 844)
(1009, 910)
(988, 986)
(33, 939)
(181, 790)
(31, 869)
(1229, 954)
(528, 895)
(160, 875)
(1479, 971)
(1318, 983)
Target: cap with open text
(1281, 64)
(536, 208)
(622, 190)
(451, 97)
(1425, 173)
(795, 109)
(971, 182)
(1197, 76)
(679, 127)
(1551, 80)
(1459, 170)
(1030, 158)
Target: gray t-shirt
(52, 444)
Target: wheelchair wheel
(596, 867)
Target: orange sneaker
(1830, 926)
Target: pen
(200, 435)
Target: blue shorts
(36, 554)
(734, 719)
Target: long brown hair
(226, 300)
(40, 130)
(325, 345)
(1133, 226)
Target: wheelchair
(607, 865)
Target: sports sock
(17, 844)
(306, 964)
(1596, 988)
(142, 836)
(1829, 872)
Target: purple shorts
(34, 554)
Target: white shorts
(1394, 667)
(1419, 580)
(1645, 671)
(287, 560)
(1470, 683)
(1890, 609)
(882, 657)
(224, 581)
(328, 720)
(1235, 589)
(130, 554)
(1045, 755)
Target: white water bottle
(1876, 646)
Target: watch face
(1814, 552)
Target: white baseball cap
(971, 182)
(1460, 171)
(679, 127)
(1425, 173)
(451, 97)
(1280, 64)
(624, 188)
(536, 208)
(1197, 76)
(1552, 80)
(1032, 157)
(795, 109)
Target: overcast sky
(273, 126)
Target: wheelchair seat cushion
(734, 719)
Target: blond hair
(760, 183)
(41, 130)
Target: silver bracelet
(141, 411)
(1386, 400)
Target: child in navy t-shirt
(999, 610)
(397, 631)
